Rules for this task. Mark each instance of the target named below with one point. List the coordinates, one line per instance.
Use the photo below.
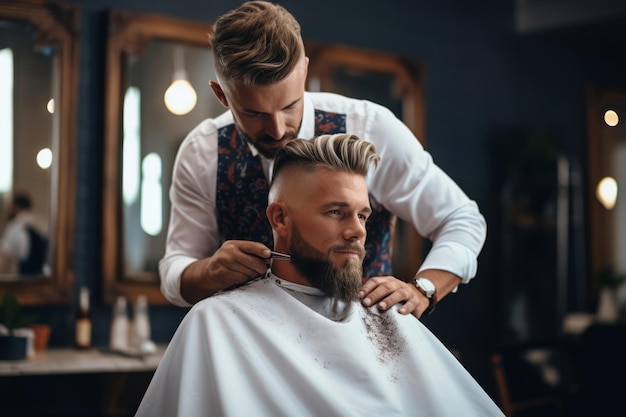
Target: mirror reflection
(607, 176)
(152, 62)
(38, 63)
(157, 91)
(167, 94)
(27, 99)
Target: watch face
(426, 286)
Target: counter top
(74, 361)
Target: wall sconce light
(611, 118)
(606, 192)
(180, 97)
(44, 158)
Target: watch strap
(432, 300)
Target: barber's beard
(342, 283)
(266, 145)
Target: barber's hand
(388, 291)
(235, 262)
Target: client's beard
(340, 283)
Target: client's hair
(340, 152)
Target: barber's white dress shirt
(274, 348)
(407, 182)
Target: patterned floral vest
(242, 191)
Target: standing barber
(218, 234)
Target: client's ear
(278, 217)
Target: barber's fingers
(239, 261)
(249, 247)
(388, 291)
(375, 289)
(237, 248)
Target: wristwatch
(426, 287)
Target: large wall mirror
(152, 62)
(386, 79)
(606, 144)
(38, 67)
(145, 54)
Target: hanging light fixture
(606, 192)
(180, 97)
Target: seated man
(297, 341)
(24, 244)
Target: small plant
(11, 315)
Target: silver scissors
(280, 256)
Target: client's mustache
(360, 249)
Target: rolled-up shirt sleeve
(193, 231)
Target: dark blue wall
(480, 76)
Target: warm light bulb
(50, 106)
(611, 118)
(44, 158)
(606, 192)
(180, 97)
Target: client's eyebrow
(367, 209)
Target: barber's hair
(340, 152)
(257, 44)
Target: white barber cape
(274, 348)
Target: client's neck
(285, 270)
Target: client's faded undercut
(339, 152)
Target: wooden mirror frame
(56, 25)
(129, 34)
(408, 78)
(601, 227)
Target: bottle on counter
(119, 325)
(140, 328)
(83, 320)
